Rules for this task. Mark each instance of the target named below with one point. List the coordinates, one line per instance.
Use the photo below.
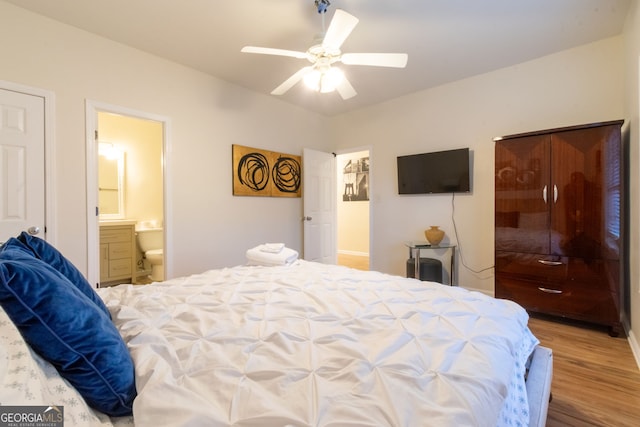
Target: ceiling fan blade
(345, 89)
(291, 81)
(397, 60)
(271, 51)
(339, 29)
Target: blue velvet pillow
(67, 329)
(43, 250)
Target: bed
(304, 344)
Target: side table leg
(453, 257)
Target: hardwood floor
(596, 381)
(354, 261)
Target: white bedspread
(318, 345)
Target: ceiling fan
(322, 75)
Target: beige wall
(632, 101)
(210, 227)
(581, 85)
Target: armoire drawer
(583, 274)
(528, 266)
(570, 298)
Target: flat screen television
(436, 172)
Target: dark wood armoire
(558, 221)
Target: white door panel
(22, 163)
(319, 186)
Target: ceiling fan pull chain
(324, 29)
(322, 6)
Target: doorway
(353, 208)
(133, 197)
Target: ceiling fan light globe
(332, 78)
(324, 81)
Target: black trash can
(430, 269)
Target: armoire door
(586, 185)
(521, 195)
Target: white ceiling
(446, 40)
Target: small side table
(416, 247)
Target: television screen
(437, 172)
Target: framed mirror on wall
(110, 181)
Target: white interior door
(22, 163)
(319, 199)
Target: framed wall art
(355, 177)
(258, 172)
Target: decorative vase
(434, 235)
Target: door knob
(306, 218)
(33, 230)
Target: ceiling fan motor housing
(319, 53)
(322, 5)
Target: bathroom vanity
(117, 252)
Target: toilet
(150, 243)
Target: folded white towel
(273, 248)
(256, 256)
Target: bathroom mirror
(110, 182)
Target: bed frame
(539, 385)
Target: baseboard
(633, 343)
(354, 253)
(631, 338)
(635, 348)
